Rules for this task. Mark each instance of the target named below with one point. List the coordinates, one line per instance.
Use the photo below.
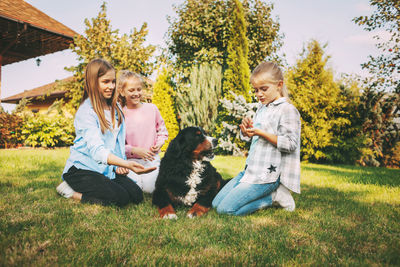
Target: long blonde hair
(123, 77)
(268, 71)
(94, 70)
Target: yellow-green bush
(163, 95)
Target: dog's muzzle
(213, 141)
(209, 155)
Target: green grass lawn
(345, 215)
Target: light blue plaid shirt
(266, 162)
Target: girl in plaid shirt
(273, 164)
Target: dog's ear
(174, 147)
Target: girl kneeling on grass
(273, 164)
(145, 129)
(96, 169)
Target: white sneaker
(65, 190)
(283, 198)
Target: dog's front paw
(170, 216)
(197, 211)
(167, 212)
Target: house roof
(38, 92)
(47, 90)
(27, 32)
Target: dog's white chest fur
(193, 180)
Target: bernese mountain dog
(186, 175)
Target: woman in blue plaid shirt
(273, 164)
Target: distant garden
(202, 78)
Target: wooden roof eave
(37, 27)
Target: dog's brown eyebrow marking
(198, 132)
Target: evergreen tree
(163, 96)
(237, 74)
(317, 97)
(197, 103)
(348, 138)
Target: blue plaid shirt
(266, 163)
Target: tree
(262, 32)
(318, 98)
(201, 30)
(348, 138)
(385, 67)
(100, 41)
(381, 131)
(237, 73)
(381, 97)
(163, 98)
(197, 103)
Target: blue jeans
(237, 198)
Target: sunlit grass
(345, 215)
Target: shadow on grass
(339, 227)
(358, 175)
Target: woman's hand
(143, 153)
(122, 171)
(139, 168)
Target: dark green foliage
(348, 138)
(201, 30)
(382, 133)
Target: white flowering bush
(236, 109)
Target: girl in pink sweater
(145, 129)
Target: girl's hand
(243, 129)
(247, 122)
(245, 125)
(138, 168)
(145, 154)
(156, 149)
(122, 170)
(253, 131)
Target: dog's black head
(192, 143)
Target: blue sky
(328, 21)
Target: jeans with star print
(237, 198)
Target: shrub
(197, 104)
(10, 130)
(229, 137)
(163, 99)
(51, 129)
